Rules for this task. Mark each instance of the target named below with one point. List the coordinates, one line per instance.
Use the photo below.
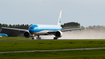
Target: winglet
(59, 19)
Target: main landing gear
(38, 38)
(55, 38)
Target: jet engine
(58, 34)
(27, 34)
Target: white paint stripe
(54, 50)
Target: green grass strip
(49, 44)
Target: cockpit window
(33, 27)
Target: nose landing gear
(38, 37)
(55, 38)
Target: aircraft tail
(59, 19)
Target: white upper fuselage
(43, 28)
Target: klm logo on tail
(59, 19)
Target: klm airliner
(3, 34)
(35, 31)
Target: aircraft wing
(64, 30)
(24, 30)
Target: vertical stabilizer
(59, 19)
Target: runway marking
(54, 50)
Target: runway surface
(54, 50)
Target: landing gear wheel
(55, 38)
(33, 38)
(38, 38)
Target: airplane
(36, 30)
(3, 34)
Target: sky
(85, 12)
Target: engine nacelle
(27, 34)
(58, 34)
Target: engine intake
(27, 34)
(58, 34)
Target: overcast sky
(86, 12)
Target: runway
(54, 50)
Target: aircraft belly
(41, 32)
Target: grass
(49, 44)
(52, 44)
(85, 54)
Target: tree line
(22, 26)
(26, 26)
(71, 25)
(13, 33)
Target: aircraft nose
(31, 30)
